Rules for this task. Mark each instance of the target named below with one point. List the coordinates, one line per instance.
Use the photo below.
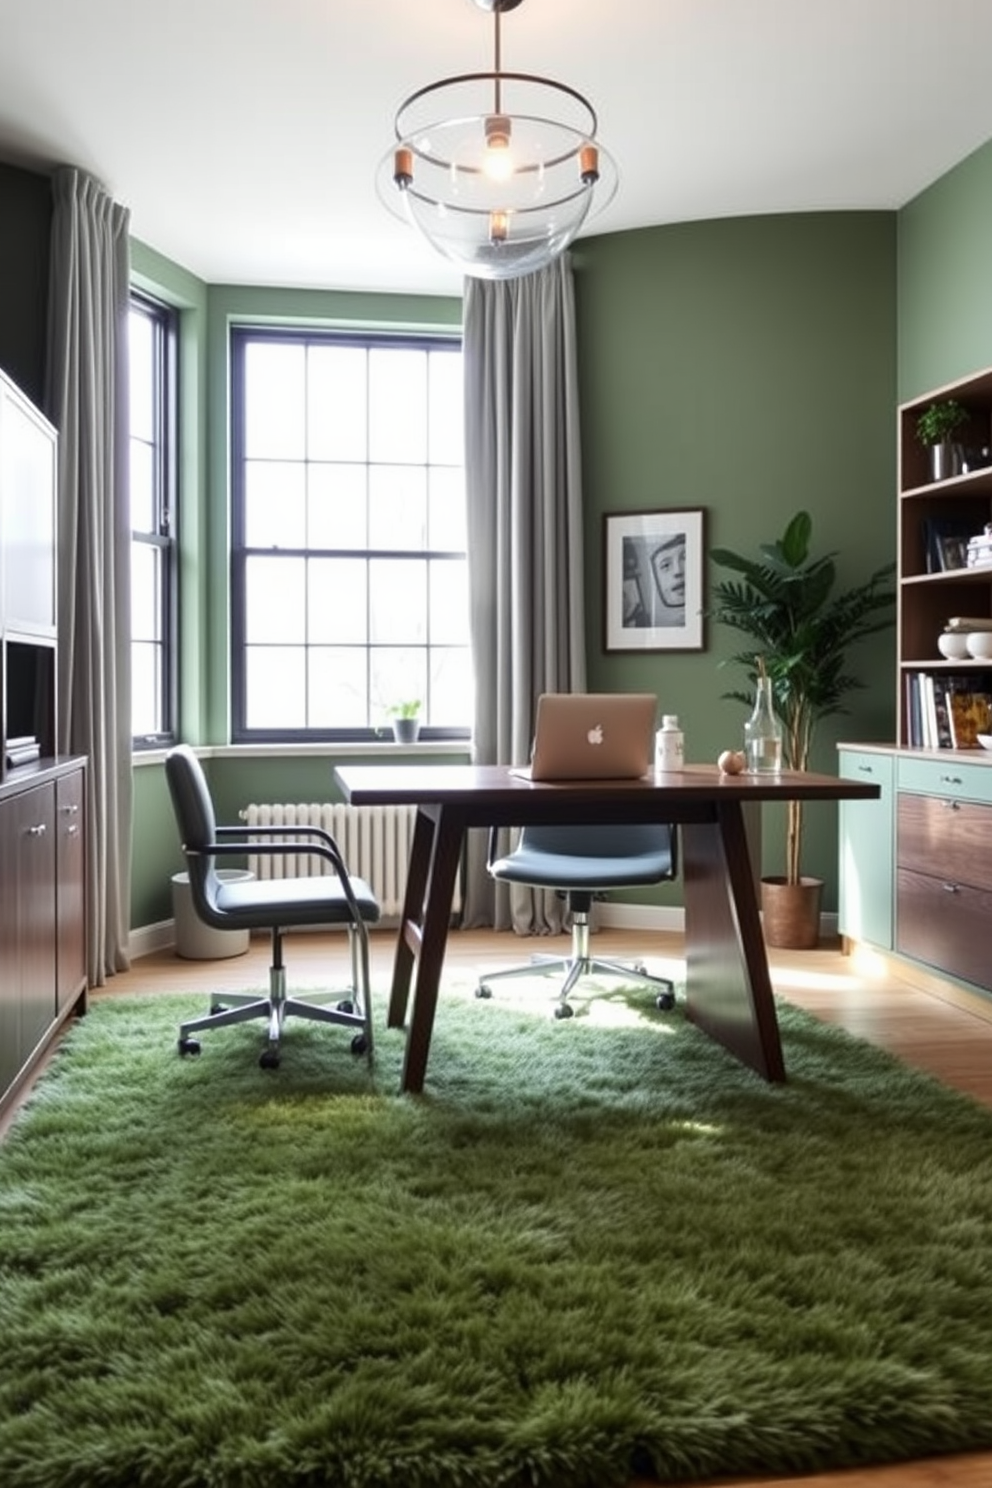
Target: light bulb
(497, 163)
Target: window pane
(275, 401)
(338, 506)
(146, 606)
(398, 507)
(448, 601)
(338, 600)
(276, 598)
(141, 373)
(446, 514)
(275, 687)
(146, 688)
(141, 486)
(338, 688)
(447, 424)
(275, 504)
(337, 416)
(397, 602)
(398, 405)
(452, 686)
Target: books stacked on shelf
(980, 548)
(947, 711)
(22, 749)
(958, 623)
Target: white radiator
(375, 843)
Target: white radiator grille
(375, 843)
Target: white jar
(669, 744)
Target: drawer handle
(951, 805)
(72, 831)
(866, 769)
(38, 831)
(949, 888)
(950, 779)
(72, 809)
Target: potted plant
(406, 721)
(799, 631)
(934, 428)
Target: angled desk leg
(729, 990)
(434, 863)
(411, 922)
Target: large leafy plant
(783, 600)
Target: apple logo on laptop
(595, 734)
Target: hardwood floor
(939, 1029)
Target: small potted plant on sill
(406, 721)
(935, 427)
(799, 632)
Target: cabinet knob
(72, 831)
(37, 831)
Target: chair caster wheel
(640, 969)
(483, 990)
(359, 1044)
(347, 1006)
(189, 1046)
(269, 1059)
(564, 1011)
(665, 1001)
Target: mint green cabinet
(867, 843)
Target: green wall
(745, 366)
(945, 287)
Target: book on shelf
(968, 622)
(947, 711)
(22, 752)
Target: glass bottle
(763, 732)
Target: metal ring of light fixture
(493, 176)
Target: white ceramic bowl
(985, 740)
(980, 644)
(953, 645)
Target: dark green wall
(25, 229)
(744, 366)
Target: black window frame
(240, 336)
(164, 535)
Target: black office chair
(270, 904)
(580, 863)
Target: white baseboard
(671, 918)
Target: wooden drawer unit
(944, 877)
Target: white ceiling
(244, 134)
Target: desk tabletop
(496, 785)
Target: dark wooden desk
(728, 988)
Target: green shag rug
(589, 1251)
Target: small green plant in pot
(784, 601)
(406, 720)
(935, 428)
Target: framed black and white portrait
(653, 581)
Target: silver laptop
(593, 736)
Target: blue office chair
(581, 862)
(270, 904)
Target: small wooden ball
(731, 762)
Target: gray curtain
(525, 550)
(87, 401)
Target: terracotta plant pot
(790, 913)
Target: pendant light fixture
(499, 170)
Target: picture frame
(653, 565)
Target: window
(152, 494)
(349, 575)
